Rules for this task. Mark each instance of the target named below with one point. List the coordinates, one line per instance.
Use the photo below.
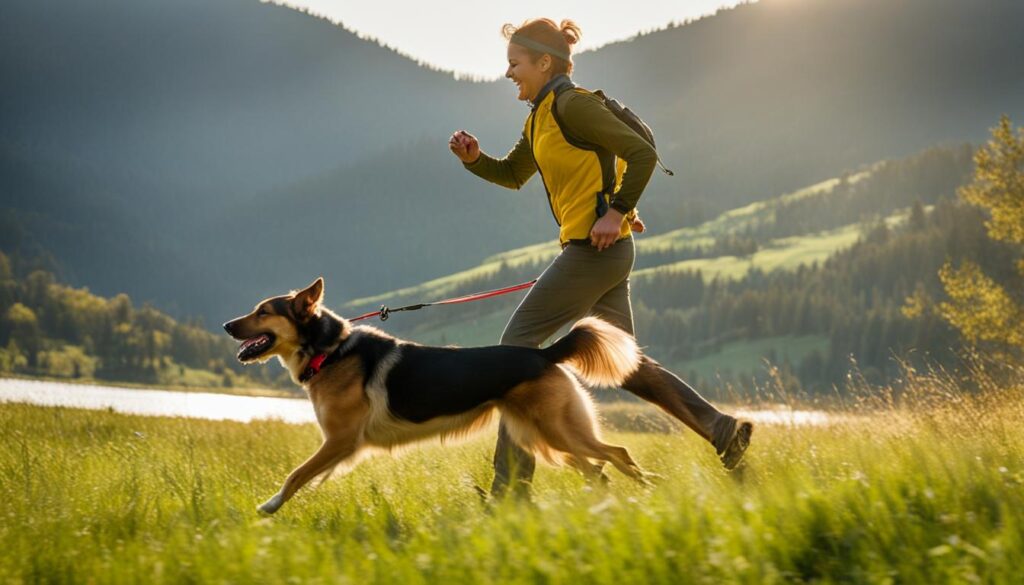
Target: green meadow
(926, 487)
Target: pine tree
(981, 308)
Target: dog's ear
(306, 303)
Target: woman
(591, 275)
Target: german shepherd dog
(371, 391)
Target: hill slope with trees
(714, 301)
(52, 330)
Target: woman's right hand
(465, 146)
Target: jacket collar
(554, 83)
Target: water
(782, 415)
(208, 405)
(156, 402)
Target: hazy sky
(465, 35)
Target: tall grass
(926, 485)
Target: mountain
(770, 96)
(220, 98)
(203, 154)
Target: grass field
(930, 491)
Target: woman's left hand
(637, 224)
(606, 230)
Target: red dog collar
(313, 368)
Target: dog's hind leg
(330, 454)
(585, 441)
(593, 472)
(622, 461)
(572, 427)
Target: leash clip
(385, 312)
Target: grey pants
(582, 281)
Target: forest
(53, 330)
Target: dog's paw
(270, 506)
(482, 494)
(651, 478)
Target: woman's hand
(465, 146)
(637, 224)
(606, 230)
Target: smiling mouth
(254, 347)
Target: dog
(372, 391)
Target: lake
(213, 406)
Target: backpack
(606, 157)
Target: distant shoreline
(265, 392)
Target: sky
(464, 36)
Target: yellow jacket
(573, 176)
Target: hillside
(202, 154)
(754, 283)
(48, 329)
(820, 217)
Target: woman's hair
(545, 31)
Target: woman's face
(529, 76)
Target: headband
(538, 46)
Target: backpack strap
(621, 112)
(566, 131)
(604, 156)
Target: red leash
(385, 312)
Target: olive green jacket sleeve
(589, 119)
(512, 171)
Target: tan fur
(341, 411)
(606, 354)
(555, 418)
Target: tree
(6, 273)
(998, 184)
(25, 331)
(980, 307)
(11, 358)
(917, 219)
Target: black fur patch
(281, 306)
(321, 333)
(428, 382)
(370, 348)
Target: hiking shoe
(492, 502)
(733, 452)
(520, 491)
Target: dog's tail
(601, 353)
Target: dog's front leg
(330, 453)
